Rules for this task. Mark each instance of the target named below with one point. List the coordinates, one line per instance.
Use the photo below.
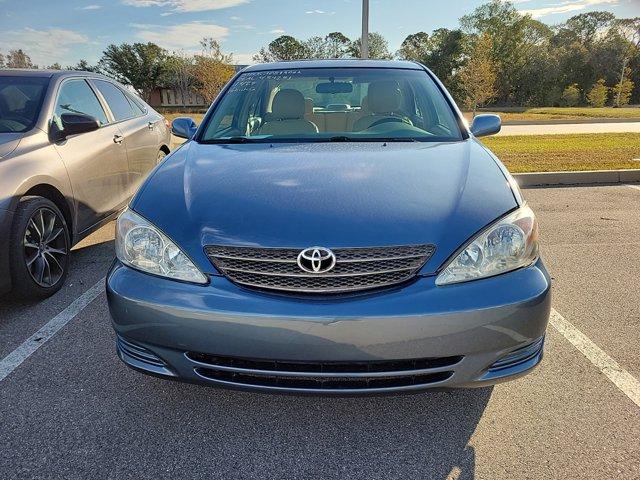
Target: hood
(8, 143)
(326, 194)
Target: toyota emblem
(316, 260)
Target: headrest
(308, 106)
(384, 96)
(288, 104)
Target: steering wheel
(387, 120)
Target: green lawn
(564, 113)
(547, 153)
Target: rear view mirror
(184, 127)
(334, 87)
(486, 124)
(76, 123)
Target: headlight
(142, 246)
(508, 244)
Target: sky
(65, 31)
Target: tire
(39, 247)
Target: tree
(337, 45)
(586, 27)
(622, 91)
(508, 30)
(55, 66)
(415, 47)
(181, 74)
(597, 96)
(84, 66)
(378, 47)
(629, 29)
(571, 95)
(212, 69)
(478, 76)
(18, 59)
(1, 60)
(284, 47)
(141, 65)
(315, 47)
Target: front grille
(355, 269)
(329, 377)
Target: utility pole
(364, 39)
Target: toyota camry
(331, 227)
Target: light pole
(364, 39)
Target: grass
(548, 153)
(564, 113)
(196, 116)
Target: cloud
(187, 5)
(319, 12)
(277, 30)
(43, 46)
(185, 36)
(243, 58)
(566, 7)
(90, 7)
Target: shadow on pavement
(410, 436)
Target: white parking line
(622, 379)
(9, 363)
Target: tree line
(497, 57)
(147, 66)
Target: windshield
(20, 101)
(337, 104)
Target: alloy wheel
(45, 247)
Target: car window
(76, 96)
(137, 104)
(324, 104)
(20, 102)
(118, 103)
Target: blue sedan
(332, 227)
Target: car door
(138, 130)
(96, 161)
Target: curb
(569, 121)
(592, 177)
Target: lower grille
(323, 376)
(355, 269)
(323, 383)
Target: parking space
(72, 410)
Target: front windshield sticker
(248, 82)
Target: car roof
(338, 63)
(24, 72)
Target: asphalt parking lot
(72, 410)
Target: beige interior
(291, 113)
(287, 115)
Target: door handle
(151, 125)
(118, 139)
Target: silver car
(74, 147)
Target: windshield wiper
(340, 138)
(231, 140)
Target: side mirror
(486, 124)
(184, 127)
(75, 123)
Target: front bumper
(410, 338)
